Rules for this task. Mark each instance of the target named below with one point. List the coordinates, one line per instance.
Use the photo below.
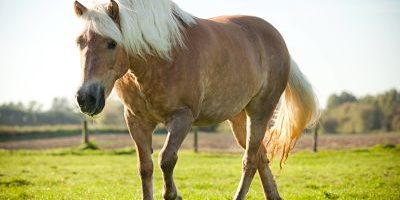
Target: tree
(113, 114)
(336, 100)
(61, 105)
(347, 114)
(387, 103)
(12, 114)
(351, 118)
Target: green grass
(94, 174)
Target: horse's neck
(146, 69)
(146, 79)
(139, 67)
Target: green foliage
(94, 174)
(351, 118)
(396, 122)
(389, 104)
(336, 100)
(113, 114)
(62, 112)
(17, 114)
(346, 114)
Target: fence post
(195, 137)
(85, 132)
(316, 138)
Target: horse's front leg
(141, 131)
(178, 127)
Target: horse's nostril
(91, 100)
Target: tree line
(345, 113)
(61, 112)
(32, 114)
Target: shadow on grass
(90, 149)
(15, 183)
(88, 146)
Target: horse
(170, 67)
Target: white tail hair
(298, 109)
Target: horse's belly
(219, 109)
(228, 91)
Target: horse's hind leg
(266, 176)
(238, 125)
(259, 111)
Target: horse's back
(265, 48)
(258, 30)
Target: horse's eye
(111, 45)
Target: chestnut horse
(170, 67)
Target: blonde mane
(146, 26)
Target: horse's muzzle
(91, 99)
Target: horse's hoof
(172, 196)
(275, 198)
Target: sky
(351, 45)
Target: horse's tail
(297, 110)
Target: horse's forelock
(97, 20)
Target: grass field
(72, 174)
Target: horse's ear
(113, 10)
(79, 9)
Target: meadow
(370, 173)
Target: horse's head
(103, 59)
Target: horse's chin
(96, 111)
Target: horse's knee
(250, 163)
(146, 170)
(262, 157)
(168, 160)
